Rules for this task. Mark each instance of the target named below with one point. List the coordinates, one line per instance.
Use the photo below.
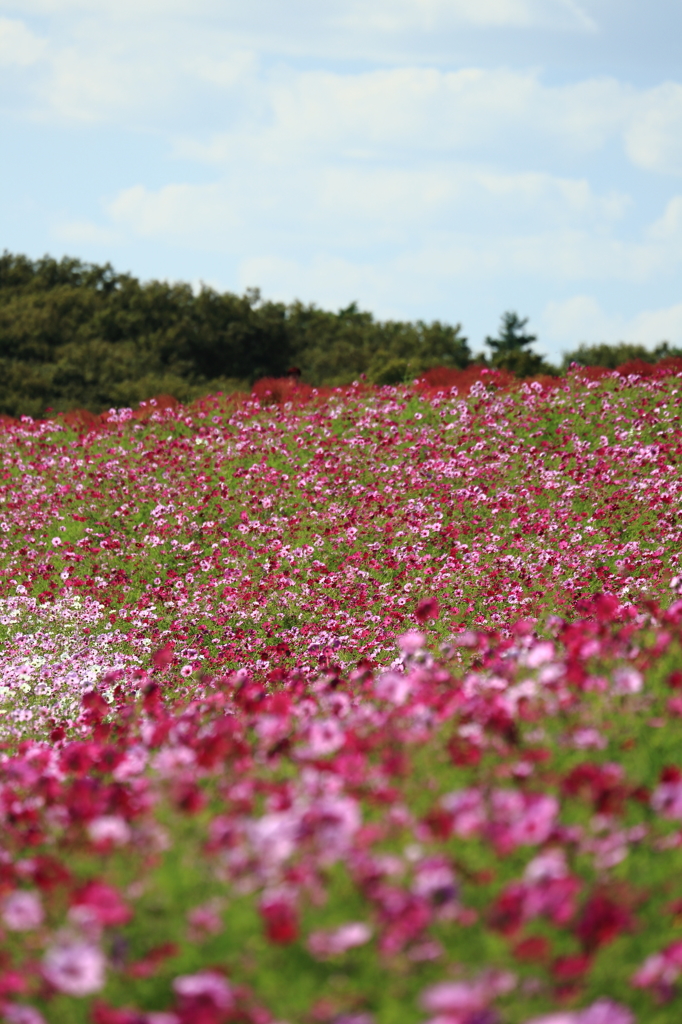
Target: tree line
(75, 334)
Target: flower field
(355, 706)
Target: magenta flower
(204, 988)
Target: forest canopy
(75, 334)
(78, 334)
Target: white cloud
(224, 72)
(329, 281)
(542, 256)
(18, 45)
(421, 112)
(365, 206)
(84, 232)
(354, 154)
(582, 319)
(96, 86)
(187, 212)
(385, 15)
(429, 15)
(452, 198)
(669, 226)
(114, 9)
(105, 69)
(150, 75)
(397, 239)
(578, 319)
(656, 325)
(653, 138)
(440, 277)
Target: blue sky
(444, 159)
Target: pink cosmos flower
(394, 687)
(273, 836)
(563, 1017)
(325, 736)
(604, 1011)
(109, 828)
(467, 638)
(434, 880)
(627, 680)
(427, 950)
(468, 811)
(655, 970)
(589, 739)
(660, 970)
(103, 903)
(462, 1002)
(20, 1013)
(205, 987)
(348, 936)
(351, 1018)
(205, 920)
(171, 760)
(550, 864)
(74, 967)
(535, 824)
(133, 763)
(411, 642)
(539, 655)
(457, 999)
(335, 820)
(22, 911)
(666, 800)
(554, 897)
(507, 805)
(522, 819)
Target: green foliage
(511, 337)
(74, 334)
(77, 334)
(333, 348)
(612, 356)
(522, 363)
(510, 348)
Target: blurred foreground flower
(75, 968)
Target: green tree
(511, 348)
(78, 334)
(335, 348)
(612, 356)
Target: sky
(429, 159)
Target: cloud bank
(332, 152)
